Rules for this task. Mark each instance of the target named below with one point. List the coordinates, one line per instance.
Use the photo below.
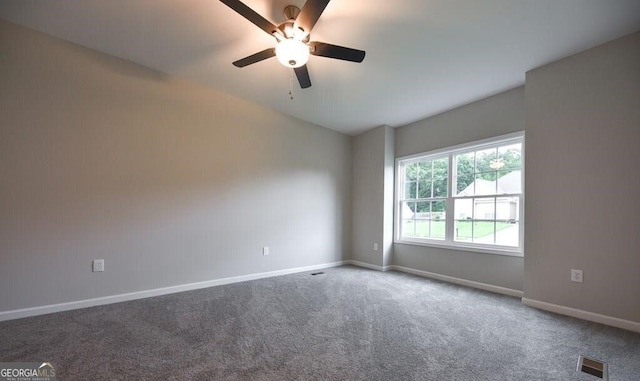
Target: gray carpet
(348, 324)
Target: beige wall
(169, 182)
(373, 196)
(490, 117)
(582, 180)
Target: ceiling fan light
(292, 53)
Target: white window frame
(450, 152)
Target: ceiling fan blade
(309, 14)
(251, 15)
(335, 51)
(303, 76)
(263, 55)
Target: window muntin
(467, 196)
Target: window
(468, 196)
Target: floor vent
(593, 367)
(318, 273)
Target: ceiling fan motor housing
(287, 27)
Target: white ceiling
(423, 56)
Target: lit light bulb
(292, 53)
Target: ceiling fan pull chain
(291, 85)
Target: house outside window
(466, 197)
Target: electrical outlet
(98, 265)
(576, 276)
(375, 247)
(265, 250)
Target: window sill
(511, 252)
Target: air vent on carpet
(593, 367)
(318, 273)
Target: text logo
(27, 371)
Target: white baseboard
(367, 265)
(584, 315)
(580, 314)
(41, 310)
(562, 310)
(460, 281)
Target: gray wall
(493, 116)
(582, 181)
(372, 190)
(169, 182)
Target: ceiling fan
(293, 38)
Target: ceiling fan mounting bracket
(291, 12)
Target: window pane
(465, 165)
(465, 186)
(408, 228)
(422, 228)
(439, 187)
(484, 184)
(424, 188)
(438, 229)
(510, 157)
(484, 208)
(407, 219)
(410, 189)
(463, 230)
(507, 234)
(484, 232)
(484, 158)
(507, 209)
(463, 209)
(438, 219)
(510, 182)
(488, 176)
(441, 168)
(463, 212)
(422, 215)
(408, 210)
(422, 209)
(410, 172)
(438, 208)
(424, 170)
